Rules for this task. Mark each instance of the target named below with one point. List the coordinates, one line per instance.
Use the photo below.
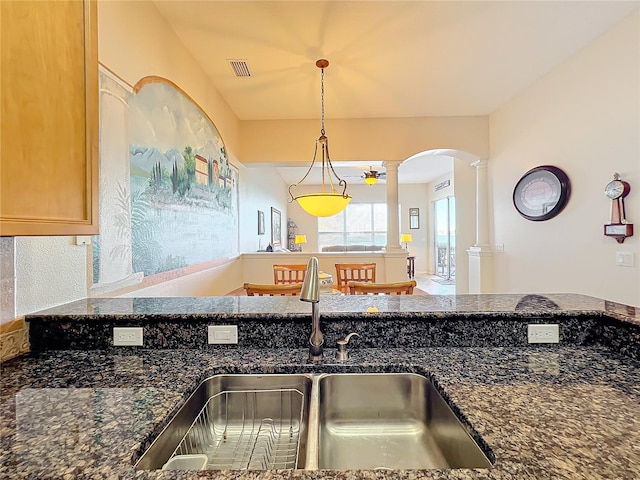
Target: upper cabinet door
(49, 122)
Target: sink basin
(390, 421)
(352, 421)
(237, 422)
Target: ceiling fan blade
(374, 173)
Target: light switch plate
(222, 334)
(624, 259)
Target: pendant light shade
(323, 204)
(328, 201)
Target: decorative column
(395, 258)
(115, 240)
(393, 222)
(482, 204)
(481, 254)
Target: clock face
(541, 193)
(614, 189)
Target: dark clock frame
(543, 170)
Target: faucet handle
(343, 342)
(342, 353)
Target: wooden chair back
(261, 289)
(397, 288)
(285, 274)
(354, 272)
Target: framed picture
(414, 218)
(260, 222)
(276, 227)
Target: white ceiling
(387, 58)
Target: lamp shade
(323, 204)
(406, 237)
(370, 180)
(300, 239)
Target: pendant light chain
(322, 99)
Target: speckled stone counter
(85, 409)
(544, 413)
(400, 321)
(497, 304)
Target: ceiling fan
(371, 176)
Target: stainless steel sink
(238, 422)
(390, 421)
(357, 421)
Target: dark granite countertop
(417, 305)
(565, 412)
(77, 407)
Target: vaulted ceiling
(387, 58)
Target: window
(358, 224)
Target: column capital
(480, 251)
(480, 163)
(391, 164)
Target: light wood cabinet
(49, 122)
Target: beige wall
(260, 189)
(392, 139)
(465, 195)
(583, 117)
(415, 196)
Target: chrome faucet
(310, 292)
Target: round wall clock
(542, 193)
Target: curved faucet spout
(310, 292)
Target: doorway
(444, 217)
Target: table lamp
(299, 240)
(406, 238)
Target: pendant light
(328, 201)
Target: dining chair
(397, 288)
(354, 272)
(285, 274)
(262, 289)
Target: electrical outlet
(499, 247)
(543, 333)
(127, 336)
(83, 240)
(217, 334)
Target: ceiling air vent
(240, 68)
